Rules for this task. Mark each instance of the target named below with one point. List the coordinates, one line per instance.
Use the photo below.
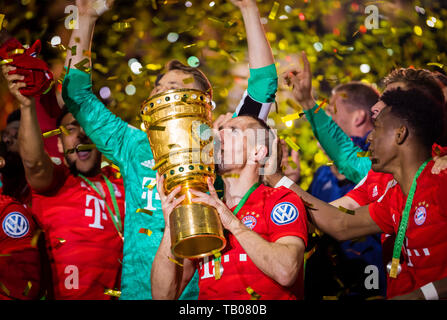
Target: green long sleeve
(338, 146)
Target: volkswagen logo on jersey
(249, 221)
(284, 213)
(420, 215)
(15, 225)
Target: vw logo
(284, 213)
(15, 225)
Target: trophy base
(196, 231)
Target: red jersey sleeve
(287, 217)
(360, 193)
(381, 214)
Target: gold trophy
(178, 126)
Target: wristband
(429, 292)
(285, 182)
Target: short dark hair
(422, 113)
(198, 75)
(358, 95)
(261, 124)
(13, 116)
(421, 79)
(64, 111)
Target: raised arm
(36, 162)
(338, 146)
(263, 81)
(112, 136)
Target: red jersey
(371, 188)
(271, 213)
(425, 245)
(20, 263)
(82, 241)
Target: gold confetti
(158, 165)
(294, 105)
(27, 288)
(330, 298)
(308, 254)
(217, 256)
(51, 133)
(175, 261)
(231, 175)
(16, 51)
(363, 154)
(149, 212)
(292, 144)
(253, 294)
(81, 65)
(5, 255)
(113, 293)
(35, 238)
(151, 185)
(188, 80)
(439, 65)
(3, 287)
(2, 16)
(348, 211)
(290, 117)
(189, 45)
(112, 78)
(274, 11)
(153, 67)
(145, 231)
(5, 61)
(84, 147)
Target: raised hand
(292, 173)
(244, 3)
(93, 8)
(226, 216)
(14, 85)
(300, 79)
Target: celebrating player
(73, 204)
(412, 208)
(267, 228)
(128, 147)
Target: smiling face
(85, 162)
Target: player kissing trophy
(178, 125)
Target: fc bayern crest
(284, 213)
(249, 221)
(15, 225)
(420, 215)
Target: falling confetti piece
(294, 105)
(290, 117)
(175, 261)
(27, 288)
(158, 165)
(145, 231)
(253, 294)
(156, 128)
(81, 65)
(292, 144)
(363, 154)
(308, 254)
(5, 61)
(84, 147)
(274, 11)
(149, 212)
(151, 185)
(16, 51)
(113, 293)
(35, 238)
(348, 211)
(439, 65)
(3, 287)
(2, 16)
(231, 175)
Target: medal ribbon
(404, 223)
(115, 216)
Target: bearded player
(79, 206)
(266, 227)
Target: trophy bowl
(178, 125)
